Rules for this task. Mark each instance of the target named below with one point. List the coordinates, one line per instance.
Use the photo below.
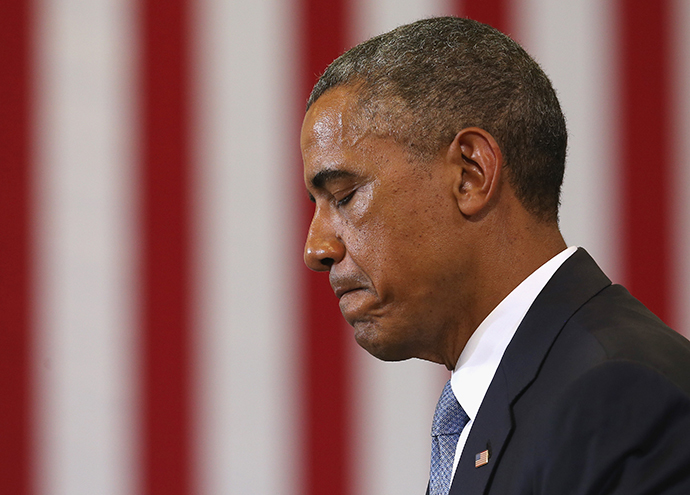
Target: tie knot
(449, 418)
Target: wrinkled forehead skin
(354, 111)
(337, 116)
(333, 125)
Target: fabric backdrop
(159, 334)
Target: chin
(380, 344)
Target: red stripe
(15, 342)
(645, 151)
(491, 12)
(328, 459)
(165, 250)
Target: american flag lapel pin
(481, 459)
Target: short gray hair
(422, 83)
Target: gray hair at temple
(422, 83)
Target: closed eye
(345, 200)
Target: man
(434, 155)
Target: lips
(355, 294)
(344, 285)
(340, 291)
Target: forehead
(331, 135)
(332, 122)
(338, 138)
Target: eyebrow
(323, 177)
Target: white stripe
(395, 401)
(575, 44)
(372, 17)
(680, 222)
(395, 406)
(85, 361)
(249, 248)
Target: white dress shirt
(479, 359)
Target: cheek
(389, 252)
(413, 251)
(363, 224)
(393, 232)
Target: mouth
(345, 285)
(341, 291)
(356, 297)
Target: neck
(499, 266)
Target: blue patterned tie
(449, 420)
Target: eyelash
(345, 200)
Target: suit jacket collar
(574, 283)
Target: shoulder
(620, 419)
(621, 427)
(615, 327)
(598, 394)
(609, 409)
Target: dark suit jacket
(592, 396)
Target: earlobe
(477, 162)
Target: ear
(477, 161)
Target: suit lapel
(573, 284)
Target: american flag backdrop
(159, 334)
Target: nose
(323, 248)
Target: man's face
(385, 228)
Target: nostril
(328, 262)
